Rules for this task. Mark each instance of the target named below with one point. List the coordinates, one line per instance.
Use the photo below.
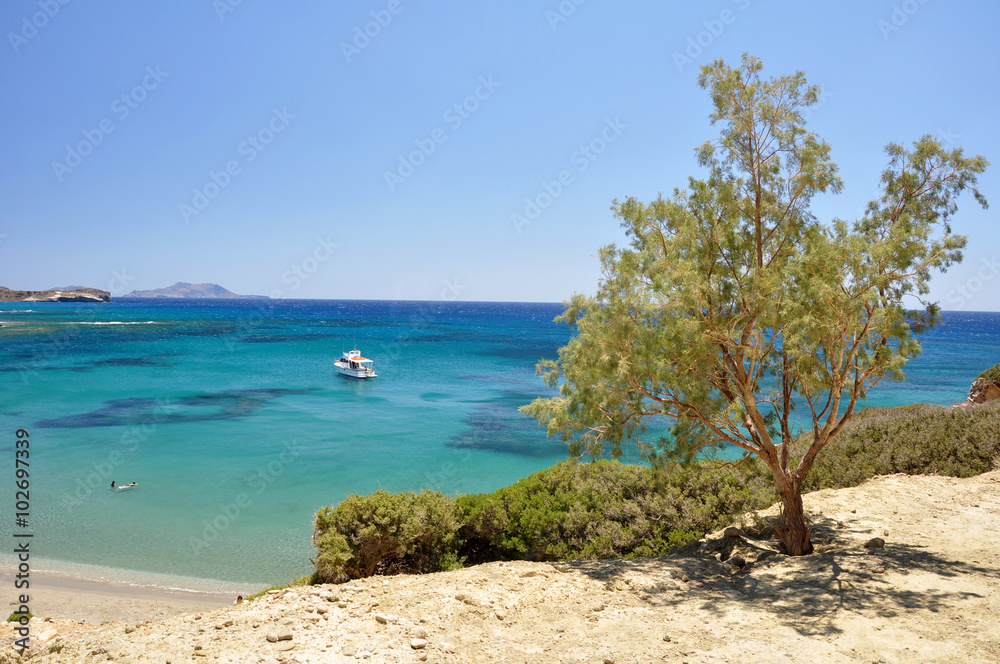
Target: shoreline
(66, 597)
(95, 602)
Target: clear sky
(276, 148)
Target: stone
(875, 543)
(420, 633)
(349, 650)
(284, 635)
(738, 562)
(418, 644)
(272, 637)
(448, 647)
(288, 621)
(733, 531)
(386, 618)
(284, 647)
(983, 390)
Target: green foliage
(15, 617)
(605, 509)
(386, 533)
(916, 440)
(733, 306)
(992, 374)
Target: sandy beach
(67, 598)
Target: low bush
(605, 509)
(386, 533)
(916, 440)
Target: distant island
(182, 289)
(67, 294)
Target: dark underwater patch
(497, 426)
(227, 405)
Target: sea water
(232, 420)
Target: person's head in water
(112, 484)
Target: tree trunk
(793, 530)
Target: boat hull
(354, 373)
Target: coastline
(64, 596)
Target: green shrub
(605, 509)
(386, 533)
(916, 440)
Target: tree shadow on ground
(806, 593)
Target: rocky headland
(69, 294)
(183, 289)
(985, 388)
(905, 571)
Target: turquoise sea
(232, 420)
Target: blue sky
(148, 143)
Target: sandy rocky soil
(927, 589)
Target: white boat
(355, 366)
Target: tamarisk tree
(738, 318)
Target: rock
(984, 389)
(288, 621)
(284, 635)
(272, 637)
(349, 650)
(738, 562)
(420, 633)
(129, 629)
(386, 618)
(733, 531)
(284, 647)
(875, 543)
(448, 647)
(418, 644)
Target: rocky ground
(906, 570)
